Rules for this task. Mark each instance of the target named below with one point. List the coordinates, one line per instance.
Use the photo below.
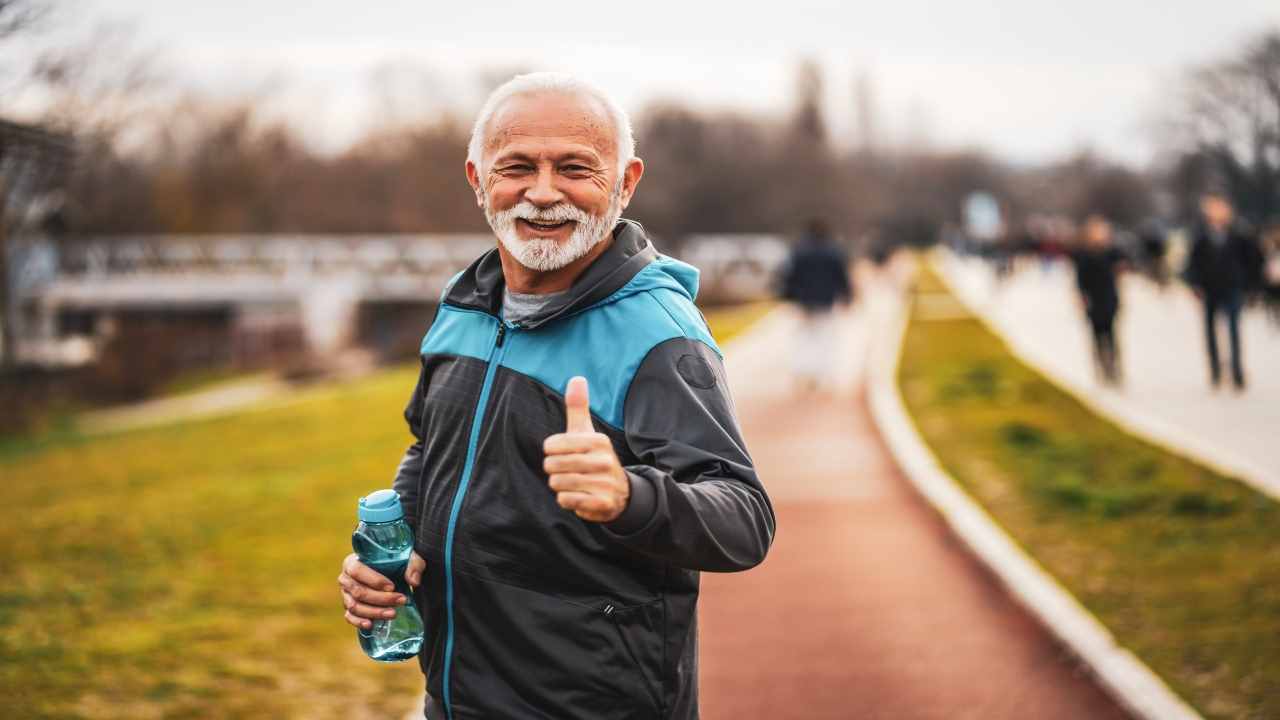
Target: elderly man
(559, 537)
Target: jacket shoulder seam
(680, 328)
(670, 315)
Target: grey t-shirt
(519, 307)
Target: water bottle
(383, 541)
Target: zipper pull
(502, 332)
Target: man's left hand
(582, 466)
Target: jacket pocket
(526, 654)
(640, 630)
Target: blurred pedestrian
(1047, 245)
(1097, 262)
(1224, 267)
(815, 277)
(1152, 247)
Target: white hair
(551, 82)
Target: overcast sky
(1028, 79)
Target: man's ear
(630, 179)
(473, 179)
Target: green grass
(188, 570)
(1181, 563)
(729, 320)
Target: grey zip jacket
(530, 611)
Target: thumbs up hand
(582, 466)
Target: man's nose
(544, 192)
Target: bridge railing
(272, 254)
(317, 282)
(717, 255)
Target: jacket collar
(480, 286)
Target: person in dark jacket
(577, 462)
(1224, 267)
(815, 278)
(1097, 263)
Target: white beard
(546, 254)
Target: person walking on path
(559, 538)
(1097, 263)
(1224, 267)
(815, 277)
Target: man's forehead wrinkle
(528, 128)
(577, 122)
(533, 150)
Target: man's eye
(577, 169)
(515, 168)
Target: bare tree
(808, 123)
(29, 157)
(99, 86)
(32, 166)
(18, 16)
(1230, 117)
(1081, 185)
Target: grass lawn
(189, 570)
(1181, 563)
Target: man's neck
(521, 279)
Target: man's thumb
(577, 406)
(413, 572)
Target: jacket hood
(631, 265)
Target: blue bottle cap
(380, 506)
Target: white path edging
(1121, 673)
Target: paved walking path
(256, 392)
(1166, 394)
(225, 398)
(866, 607)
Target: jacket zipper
(495, 357)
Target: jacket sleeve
(1254, 262)
(844, 284)
(409, 472)
(783, 281)
(696, 501)
(1081, 286)
(1193, 273)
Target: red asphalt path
(866, 606)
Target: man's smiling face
(549, 179)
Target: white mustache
(558, 213)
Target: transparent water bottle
(383, 541)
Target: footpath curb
(1121, 674)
